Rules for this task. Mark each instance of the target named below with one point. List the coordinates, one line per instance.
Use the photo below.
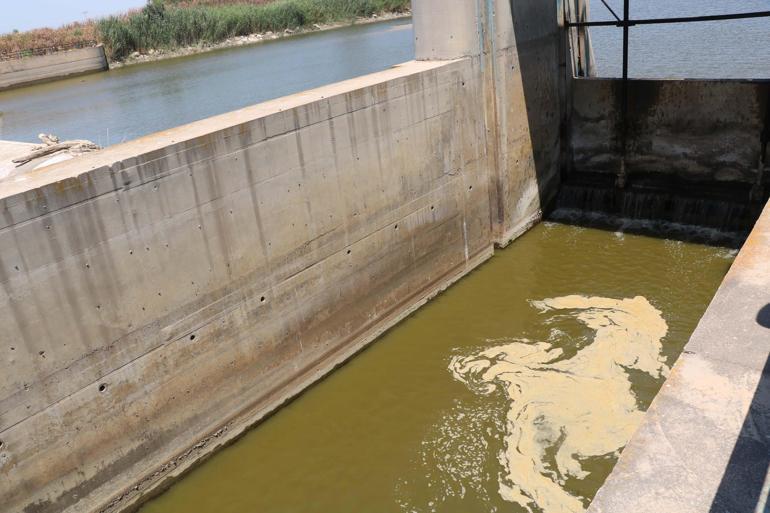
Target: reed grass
(172, 24)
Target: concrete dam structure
(35, 69)
(162, 296)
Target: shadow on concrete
(763, 317)
(537, 37)
(741, 488)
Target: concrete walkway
(10, 150)
(704, 445)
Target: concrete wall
(161, 296)
(523, 59)
(517, 45)
(43, 68)
(691, 130)
(169, 285)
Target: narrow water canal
(524, 379)
(126, 103)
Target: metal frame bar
(610, 9)
(656, 21)
(625, 24)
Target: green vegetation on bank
(167, 24)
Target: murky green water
(394, 431)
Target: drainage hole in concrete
(349, 252)
(262, 299)
(192, 337)
(470, 187)
(102, 387)
(432, 207)
(395, 227)
(1, 444)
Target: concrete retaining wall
(208, 272)
(693, 130)
(44, 68)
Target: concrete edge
(520, 229)
(157, 141)
(105, 66)
(703, 443)
(159, 480)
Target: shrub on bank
(169, 24)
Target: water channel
(407, 426)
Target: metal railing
(31, 52)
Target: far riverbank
(154, 55)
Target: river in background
(130, 102)
(716, 49)
(395, 430)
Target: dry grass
(75, 33)
(190, 3)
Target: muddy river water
(513, 391)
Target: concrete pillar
(446, 29)
(515, 47)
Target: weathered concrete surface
(517, 46)
(44, 68)
(693, 130)
(10, 150)
(704, 445)
(18, 171)
(523, 80)
(447, 29)
(196, 278)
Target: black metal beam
(659, 21)
(624, 96)
(610, 9)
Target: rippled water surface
(716, 49)
(130, 102)
(404, 427)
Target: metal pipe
(624, 99)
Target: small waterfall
(704, 213)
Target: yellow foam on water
(581, 406)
